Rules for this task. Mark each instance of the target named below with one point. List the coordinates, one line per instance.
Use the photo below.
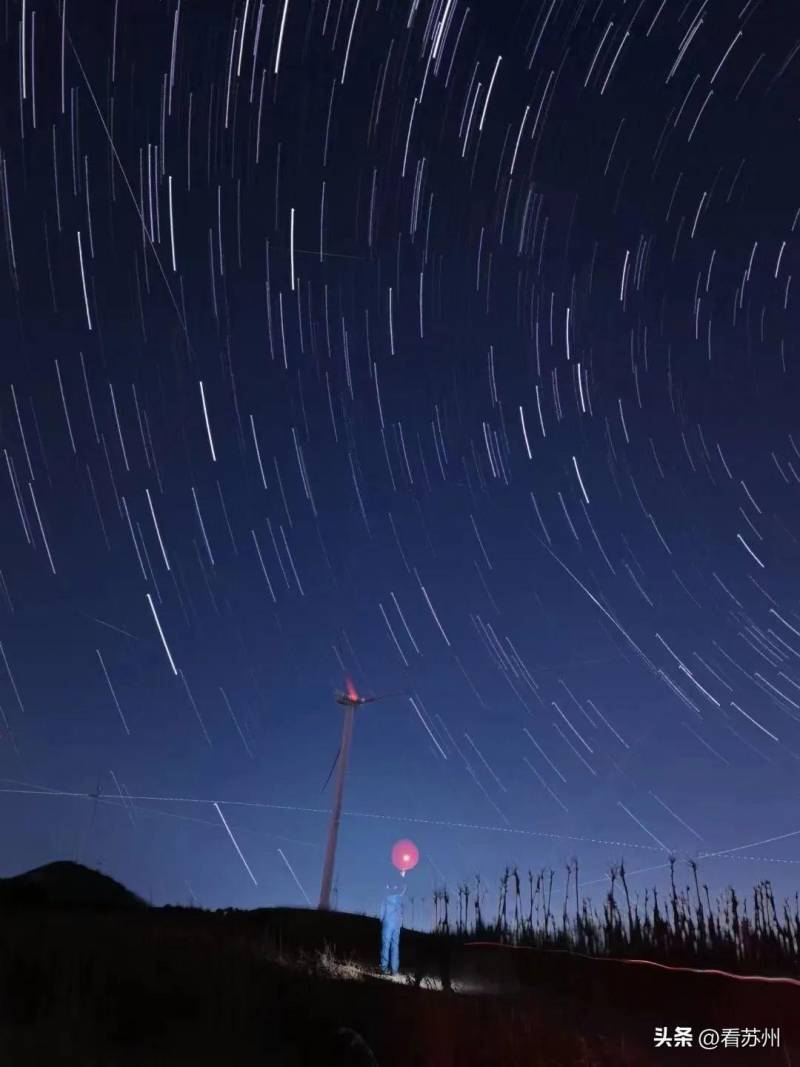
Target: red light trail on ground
(647, 963)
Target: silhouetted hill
(65, 884)
(174, 987)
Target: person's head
(392, 888)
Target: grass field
(169, 987)
(687, 927)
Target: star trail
(443, 348)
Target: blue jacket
(392, 910)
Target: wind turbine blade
(333, 768)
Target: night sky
(452, 349)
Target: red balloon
(405, 855)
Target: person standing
(391, 923)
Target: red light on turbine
(351, 689)
(405, 855)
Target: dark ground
(171, 987)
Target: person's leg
(386, 934)
(395, 950)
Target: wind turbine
(349, 700)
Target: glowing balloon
(405, 855)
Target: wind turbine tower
(349, 700)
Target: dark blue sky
(445, 348)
